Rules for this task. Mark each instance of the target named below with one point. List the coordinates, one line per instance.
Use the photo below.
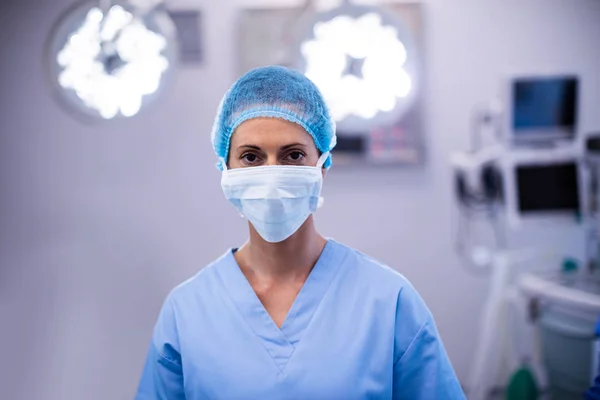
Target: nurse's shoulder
(374, 270)
(377, 279)
(187, 301)
(422, 369)
(375, 273)
(201, 284)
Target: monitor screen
(547, 188)
(544, 104)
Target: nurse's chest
(332, 352)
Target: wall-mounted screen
(547, 188)
(544, 108)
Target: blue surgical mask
(275, 199)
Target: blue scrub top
(357, 330)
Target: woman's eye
(296, 156)
(249, 158)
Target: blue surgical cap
(276, 92)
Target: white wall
(97, 223)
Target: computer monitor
(542, 109)
(543, 185)
(550, 188)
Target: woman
(290, 314)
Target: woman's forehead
(270, 132)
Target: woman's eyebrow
(249, 147)
(288, 146)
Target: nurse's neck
(292, 259)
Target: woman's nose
(272, 159)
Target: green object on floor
(522, 386)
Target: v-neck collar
(280, 343)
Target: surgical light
(364, 63)
(109, 61)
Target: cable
(483, 204)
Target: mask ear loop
(320, 163)
(320, 202)
(322, 159)
(223, 163)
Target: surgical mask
(275, 199)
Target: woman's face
(271, 141)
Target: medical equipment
(365, 62)
(478, 186)
(543, 109)
(110, 59)
(568, 304)
(556, 176)
(592, 163)
(533, 172)
(567, 301)
(592, 146)
(543, 185)
(510, 179)
(547, 187)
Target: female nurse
(290, 314)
